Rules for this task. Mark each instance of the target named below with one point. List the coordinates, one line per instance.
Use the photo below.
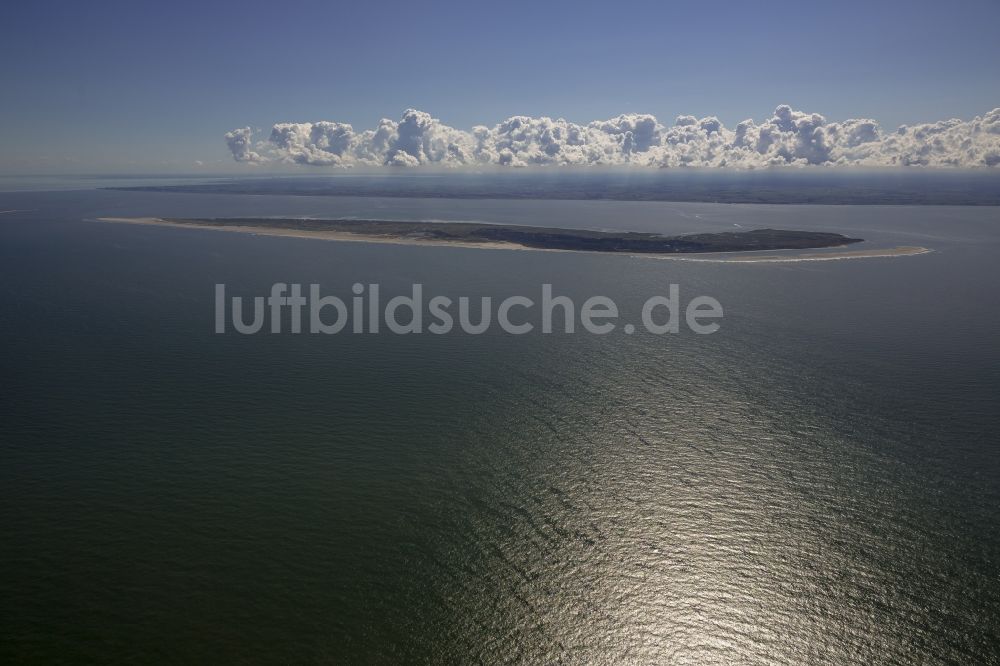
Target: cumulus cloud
(788, 137)
(239, 142)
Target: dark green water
(819, 482)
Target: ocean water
(818, 482)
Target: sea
(817, 482)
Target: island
(513, 236)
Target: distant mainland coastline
(782, 186)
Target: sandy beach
(745, 258)
(324, 235)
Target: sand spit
(744, 258)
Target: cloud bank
(788, 137)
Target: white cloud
(239, 145)
(788, 137)
(320, 144)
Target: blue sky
(135, 86)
